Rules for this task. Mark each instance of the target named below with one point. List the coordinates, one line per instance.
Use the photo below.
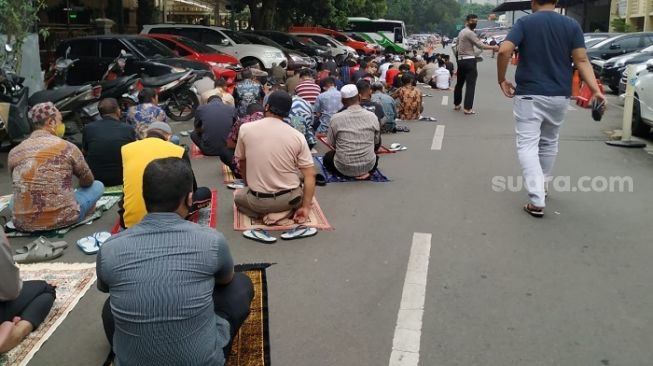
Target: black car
(620, 45)
(296, 59)
(145, 57)
(613, 69)
(291, 42)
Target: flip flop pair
(397, 147)
(91, 244)
(263, 236)
(429, 119)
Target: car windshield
(197, 47)
(236, 37)
(593, 41)
(151, 48)
(262, 40)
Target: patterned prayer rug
(227, 174)
(72, 282)
(377, 176)
(316, 219)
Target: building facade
(637, 13)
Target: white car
(226, 41)
(643, 104)
(335, 47)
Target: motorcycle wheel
(181, 106)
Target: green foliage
(482, 10)
(18, 18)
(425, 15)
(621, 26)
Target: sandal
(397, 147)
(37, 251)
(470, 112)
(402, 129)
(457, 108)
(534, 210)
(430, 119)
(298, 232)
(259, 235)
(43, 241)
(89, 245)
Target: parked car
(620, 45)
(222, 65)
(292, 42)
(624, 79)
(361, 47)
(643, 103)
(295, 60)
(613, 68)
(146, 57)
(336, 48)
(599, 36)
(224, 40)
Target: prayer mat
(376, 177)
(72, 282)
(113, 191)
(382, 149)
(103, 204)
(316, 219)
(195, 152)
(208, 215)
(251, 345)
(228, 175)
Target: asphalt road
(503, 288)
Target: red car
(362, 48)
(223, 65)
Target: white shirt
(384, 69)
(442, 78)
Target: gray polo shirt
(160, 275)
(353, 132)
(467, 39)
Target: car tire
(252, 62)
(639, 128)
(614, 88)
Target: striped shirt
(308, 90)
(354, 132)
(160, 275)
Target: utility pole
(233, 15)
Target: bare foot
(5, 331)
(363, 177)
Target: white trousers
(537, 124)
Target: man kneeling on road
(271, 154)
(356, 135)
(174, 296)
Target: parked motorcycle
(14, 123)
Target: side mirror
(123, 53)
(615, 46)
(649, 66)
(8, 48)
(225, 42)
(67, 52)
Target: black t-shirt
(101, 141)
(373, 107)
(216, 119)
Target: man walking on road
(467, 72)
(546, 41)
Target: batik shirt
(301, 119)
(235, 129)
(142, 115)
(327, 104)
(247, 92)
(410, 102)
(42, 169)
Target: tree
(18, 18)
(483, 11)
(425, 15)
(620, 25)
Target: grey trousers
(537, 124)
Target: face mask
(472, 26)
(60, 130)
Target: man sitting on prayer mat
(174, 297)
(102, 141)
(135, 157)
(42, 169)
(271, 155)
(356, 135)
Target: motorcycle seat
(108, 84)
(162, 80)
(56, 95)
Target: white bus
(391, 34)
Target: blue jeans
(87, 197)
